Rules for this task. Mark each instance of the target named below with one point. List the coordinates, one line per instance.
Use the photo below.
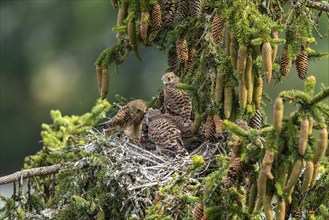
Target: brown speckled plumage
(176, 101)
(164, 133)
(129, 118)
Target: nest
(139, 172)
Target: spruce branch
(39, 171)
(320, 96)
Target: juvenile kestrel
(163, 132)
(129, 118)
(176, 101)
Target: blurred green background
(48, 50)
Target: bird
(129, 118)
(176, 101)
(164, 133)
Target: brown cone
(196, 6)
(267, 61)
(302, 64)
(233, 173)
(198, 211)
(285, 63)
(217, 30)
(182, 50)
(156, 16)
(256, 120)
(183, 10)
(169, 13)
(209, 128)
(172, 58)
(192, 54)
(275, 36)
(144, 24)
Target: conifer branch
(321, 6)
(320, 96)
(40, 171)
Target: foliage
(245, 174)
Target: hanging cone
(99, 78)
(267, 61)
(209, 128)
(219, 88)
(183, 10)
(197, 212)
(218, 124)
(172, 59)
(256, 120)
(228, 100)
(233, 51)
(258, 91)
(233, 173)
(156, 16)
(120, 18)
(192, 54)
(217, 30)
(169, 13)
(105, 83)
(143, 26)
(182, 50)
(302, 64)
(249, 80)
(285, 63)
(227, 39)
(275, 36)
(196, 6)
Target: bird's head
(170, 77)
(151, 113)
(139, 104)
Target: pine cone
(182, 50)
(209, 128)
(302, 64)
(217, 30)
(169, 13)
(286, 62)
(218, 124)
(275, 36)
(233, 173)
(156, 16)
(296, 213)
(196, 6)
(183, 10)
(197, 211)
(267, 60)
(172, 59)
(192, 54)
(256, 120)
(144, 24)
(120, 18)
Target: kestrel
(129, 118)
(176, 101)
(164, 133)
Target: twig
(321, 6)
(40, 171)
(142, 186)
